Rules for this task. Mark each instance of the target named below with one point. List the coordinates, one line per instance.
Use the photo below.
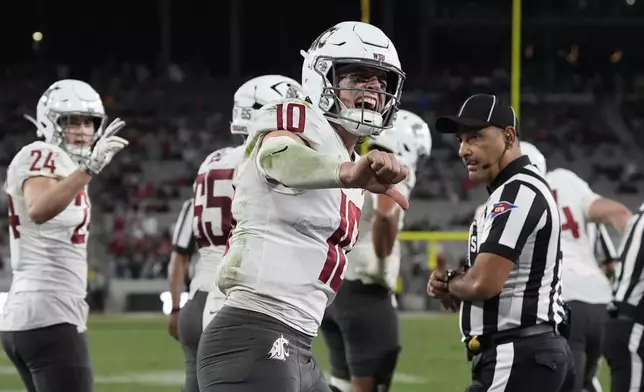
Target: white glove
(106, 147)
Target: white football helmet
(256, 93)
(536, 157)
(68, 97)
(357, 44)
(408, 139)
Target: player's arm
(609, 212)
(177, 277)
(46, 197)
(505, 238)
(385, 223)
(288, 159)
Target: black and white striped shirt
(628, 288)
(521, 223)
(183, 240)
(602, 243)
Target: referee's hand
(437, 288)
(437, 285)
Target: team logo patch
(501, 208)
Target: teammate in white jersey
(586, 288)
(298, 195)
(44, 319)
(211, 218)
(363, 358)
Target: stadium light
(37, 36)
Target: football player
(363, 358)
(45, 318)
(210, 214)
(298, 195)
(586, 288)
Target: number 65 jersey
(286, 255)
(212, 217)
(48, 259)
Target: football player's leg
(10, 348)
(189, 334)
(578, 340)
(241, 351)
(58, 358)
(594, 344)
(340, 376)
(372, 353)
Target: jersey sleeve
(37, 160)
(583, 191)
(513, 214)
(292, 115)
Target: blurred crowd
(175, 119)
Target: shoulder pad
(224, 158)
(38, 159)
(294, 115)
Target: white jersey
(286, 254)
(583, 279)
(364, 265)
(49, 260)
(212, 217)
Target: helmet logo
(321, 40)
(379, 57)
(45, 96)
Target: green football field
(135, 353)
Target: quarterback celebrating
(298, 195)
(44, 320)
(211, 217)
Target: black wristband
(175, 310)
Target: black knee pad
(386, 370)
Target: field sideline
(134, 353)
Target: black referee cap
(480, 111)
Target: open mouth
(367, 102)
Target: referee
(183, 259)
(623, 346)
(510, 290)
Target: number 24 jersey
(49, 260)
(287, 252)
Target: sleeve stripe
(183, 227)
(517, 217)
(606, 243)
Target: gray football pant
(51, 359)
(190, 327)
(586, 340)
(245, 351)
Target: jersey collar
(511, 169)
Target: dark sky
(273, 32)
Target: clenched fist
(376, 172)
(437, 288)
